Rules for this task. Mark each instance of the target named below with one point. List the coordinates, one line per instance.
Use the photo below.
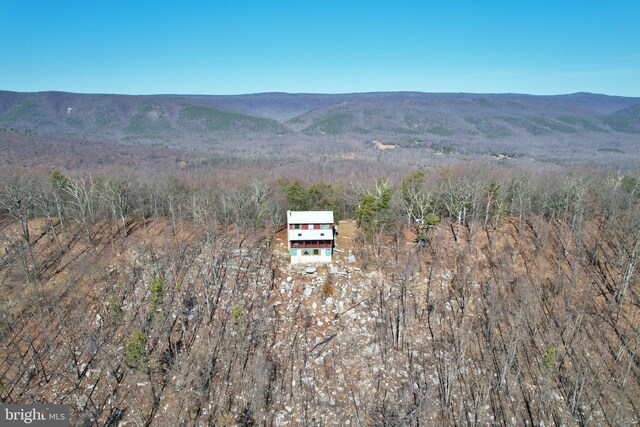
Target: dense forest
(468, 294)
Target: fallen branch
(324, 341)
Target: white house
(310, 235)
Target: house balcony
(312, 244)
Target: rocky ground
(505, 326)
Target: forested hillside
(473, 294)
(419, 128)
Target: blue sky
(329, 46)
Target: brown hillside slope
(518, 325)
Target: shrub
(238, 320)
(136, 357)
(157, 292)
(115, 310)
(432, 219)
(549, 360)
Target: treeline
(467, 196)
(464, 194)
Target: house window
(299, 234)
(305, 252)
(293, 252)
(296, 226)
(322, 234)
(316, 251)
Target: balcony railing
(328, 244)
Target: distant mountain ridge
(518, 124)
(300, 103)
(284, 106)
(125, 116)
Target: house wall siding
(309, 232)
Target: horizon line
(318, 93)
